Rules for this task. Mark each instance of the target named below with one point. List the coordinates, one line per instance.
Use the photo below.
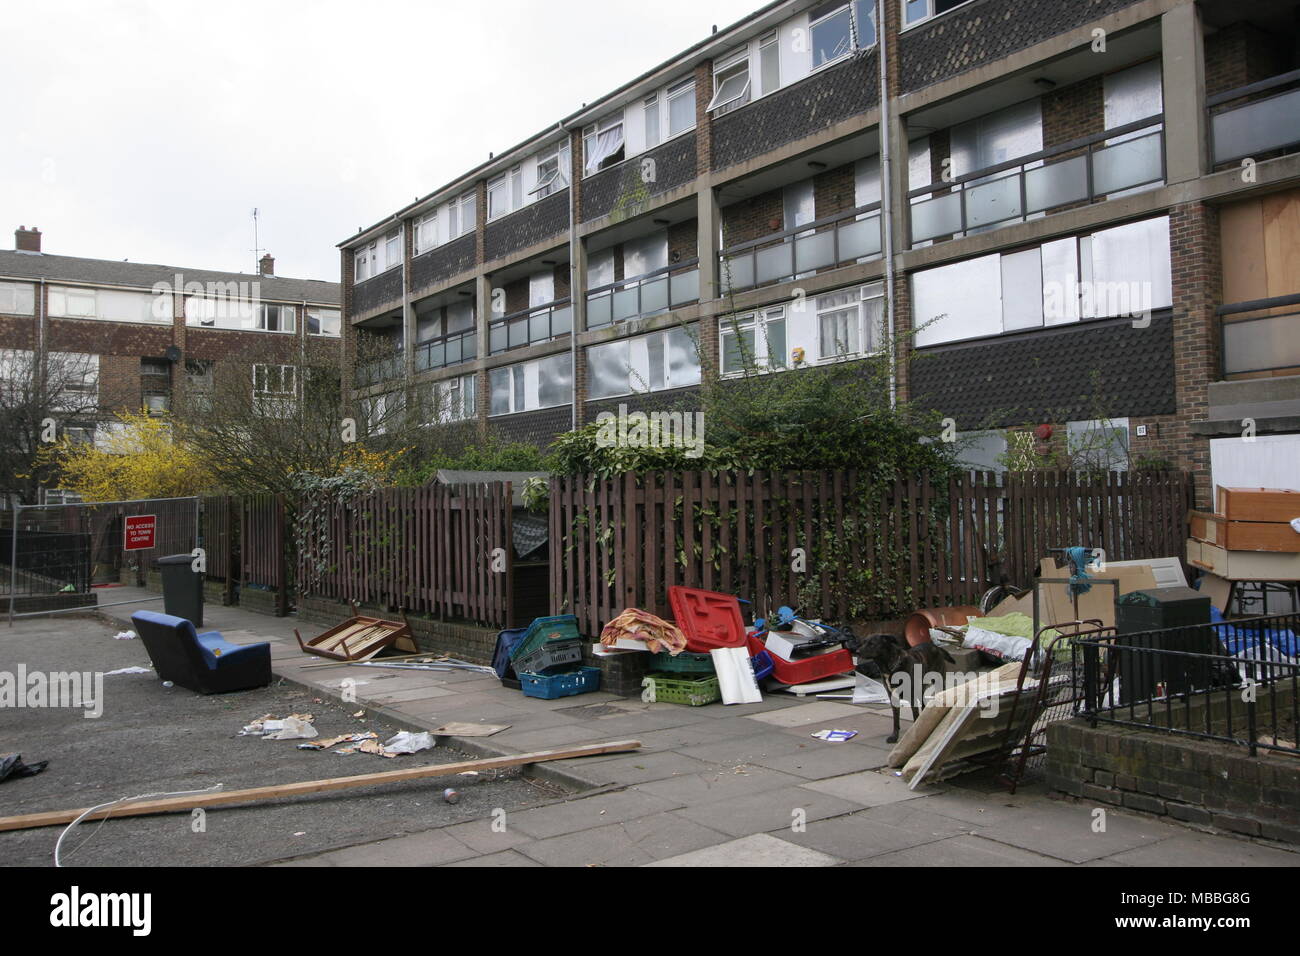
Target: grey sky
(149, 130)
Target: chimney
(27, 240)
(266, 266)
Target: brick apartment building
(1086, 212)
(127, 335)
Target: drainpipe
(886, 201)
(573, 286)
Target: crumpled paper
(638, 625)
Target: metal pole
(13, 563)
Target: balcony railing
(1258, 126)
(529, 326)
(837, 240)
(1260, 343)
(380, 370)
(639, 296)
(1027, 185)
(449, 350)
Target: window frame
(929, 14)
(591, 133)
(864, 293)
(762, 348)
(726, 69)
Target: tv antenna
(257, 249)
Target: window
(275, 389)
(426, 232)
(1099, 444)
(498, 196)
(543, 383)
(602, 144)
(378, 257)
(111, 305)
(452, 400)
(552, 170)
(831, 32)
(1118, 272)
(651, 110)
(199, 383)
(275, 318)
(541, 289)
(600, 269)
(769, 64)
(393, 249)
(155, 385)
(17, 298)
(864, 22)
(460, 215)
(646, 363)
(361, 264)
(997, 137)
(645, 255)
(77, 374)
(681, 107)
(323, 321)
(850, 322)
(917, 11)
(730, 82)
(753, 341)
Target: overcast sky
(150, 130)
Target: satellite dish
(173, 353)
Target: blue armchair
(206, 663)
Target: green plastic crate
(693, 690)
(559, 628)
(684, 663)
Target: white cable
(121, 800)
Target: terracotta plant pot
(917, 627)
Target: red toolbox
(807, 670)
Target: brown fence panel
(219, 530)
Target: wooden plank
(27, 821)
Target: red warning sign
(138, 532)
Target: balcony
(640, 296)
(380, 370)
(838, 240)
(1256, 127)
(448, 350)
(1261, 345)
(1118, 159)
(530, 326)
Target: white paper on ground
(291, 728)
(129, 670)
(735, 675)
(865, 691)
(821, 686)
(405, 742)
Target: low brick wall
(467, 642)
(153, 581)
(214, 592)
(263, 602)
(1204, 782)
(619, 673)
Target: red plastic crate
(707, 618)
(818, 667)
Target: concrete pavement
(744, 785)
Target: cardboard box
(1257, 504)
(1056, 605)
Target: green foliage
(492, 455)
(316, 495)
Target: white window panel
(866, 181)
(361, 265)
(1131, 95)
(997, 137)
(918, 11)
(958, 301)
(17, 298)
(541, 288)
(516, 188)
(602, 144)
(799, 206)
(769, 64)
(555, 380)
(681, 107)
(982, 450)
(1060, 265)
(1130, 268)
(753, 341)
(498, 197)
(392, 250)
(499, 387)
(323, 321)
(1022, 290)
(600, 269)
(426, 232)
(552, 171)
(1099, 444)
(650, 113)
(918, 163)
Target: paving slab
(431, 848)
(767, 811)
(504, 858)
(484, 836)
(748, 749)
(640, 767)
(824, 760)
(723, 783)
(630, 843)
(856, 836)
(758, 849)
(870, 788)
(963, 850)
(802, 714)
(586, 813)
(1196, 849)
(1068, 833)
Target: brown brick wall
(752, 218)
(833, 191)
(1197, 289)
(1073, 111)
(1242, 53)
(683, 241)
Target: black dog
(881, 656)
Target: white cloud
(149, 130)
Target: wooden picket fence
(440, 550)
(827, 544)
(264, 547)
(219, 520)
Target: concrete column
(578, 284)
(408, 310)
(709, 222)
(483, 313)
(1183, 75)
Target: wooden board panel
(1257, 504)
(1243, 565)
(1245, 535)
(1245, 274)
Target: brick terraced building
(1085, 212)
(139, 335)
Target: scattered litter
(11, 765)
(359, 714)
(835, 736)
(125, 636)
(168, 683)
(654, 633)
(300, 833)
(464, 729)
(291, 728)
(866, 690)
(406, 742)
(471, 776)
(359, 638)
(328, 742)
(735, 675)
(450, 796)
(376, 748)
(129, 670)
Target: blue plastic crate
(580, 680)
(543, 629)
